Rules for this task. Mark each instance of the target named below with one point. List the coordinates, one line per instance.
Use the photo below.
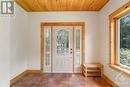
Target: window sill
(121, 69)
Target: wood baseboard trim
(33, 71)
(15, 79)
(12, 81)
(113, 84)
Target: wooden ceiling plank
(105, 2)
(86, 4)
(23, 5)
(82, 4)
(61, 5)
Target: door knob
(70, 52)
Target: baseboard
(12, 81)
(33, 71)
(113, 84)
(15, 79)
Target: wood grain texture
(15, 79)
(92, 69)
(60, 80)
(21, 75)
(61, 5)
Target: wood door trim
(61, 24)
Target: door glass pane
(47, 46)
(62, 44)
(77, 39)
(78, 47)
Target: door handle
(71, 52)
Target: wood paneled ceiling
(61, 5)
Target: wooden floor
(60, 80)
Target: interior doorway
(62, 47)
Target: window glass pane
(124, 25)
(62, 42)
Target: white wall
(18, 42)
(91, 33)
(13, 45)
(112, 6)
(21, 40)
(4, 51)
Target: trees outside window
(124, 28)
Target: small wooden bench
(92, 70)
